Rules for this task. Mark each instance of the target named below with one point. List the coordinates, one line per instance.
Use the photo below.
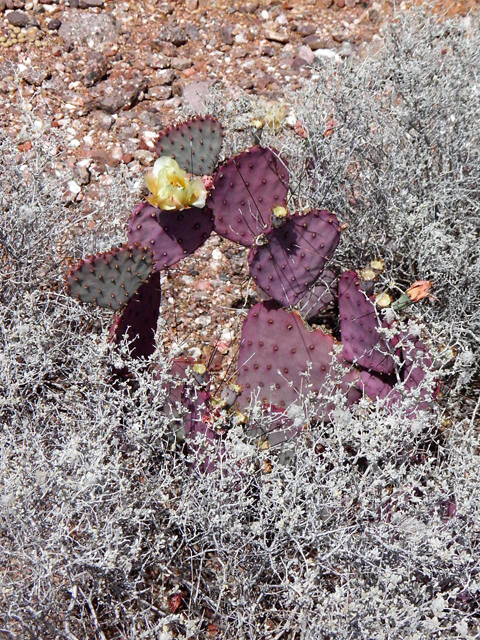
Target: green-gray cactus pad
(110, 279)
(195, 144)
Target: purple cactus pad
(170, 235)
(373, 385)
(274, 353)
(363, 345)
(247, 188)
(319, 296)
(139, 319)
(294, 256)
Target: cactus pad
(318, 297)
(373, 385)
(139, 319)
(416, 363)
(247, 188)
(294, 256)
(201, 440)
(274, 353)
(110, 279)
(359, 323)
(194, 144)
(170, 235)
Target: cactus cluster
(281, 359)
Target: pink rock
(307, 54)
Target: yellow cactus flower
(170, 187)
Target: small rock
(327, 54)
(26, 146)
(373, 15)
(326, 4)
(147, 141)
(196, 93)
(177, 87)
(203, 320)
(246, 83)
(18, 19)
(192, 32)
(340, 3)
(338, 36)
(274, 36)
(174, 35)
(81, 172)
(73, 187)
(92, 29)
(350, 3)
(314, 42)
(250, 7)
(54, 25)
(103, 119)
(281, 19)
(35, 75)
(264, 81)
(150, 119)
(298, 63)
(160, 92)
(117, 92)
(226, 34)
(166, 48)
(164, 76)
(240, 38)
(105, 158)
(91, 3)
(307, 54)
(181, 63)
(191, 5)
(189, 73)
(146, 158)
(157, 61)
(305, 29)
(203, 285)
(268, 50)
(346, 49)
(96, 69)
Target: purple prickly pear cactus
(177, 390)
(373, 385)
(247, 188)
(416, 363)
(362, 344)
(294, 255)
(110, 279)
(139, 319)
(200, 435)
(170, 235)
(281, 430)
(318, 297)
(194, 144)
(275, 352)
